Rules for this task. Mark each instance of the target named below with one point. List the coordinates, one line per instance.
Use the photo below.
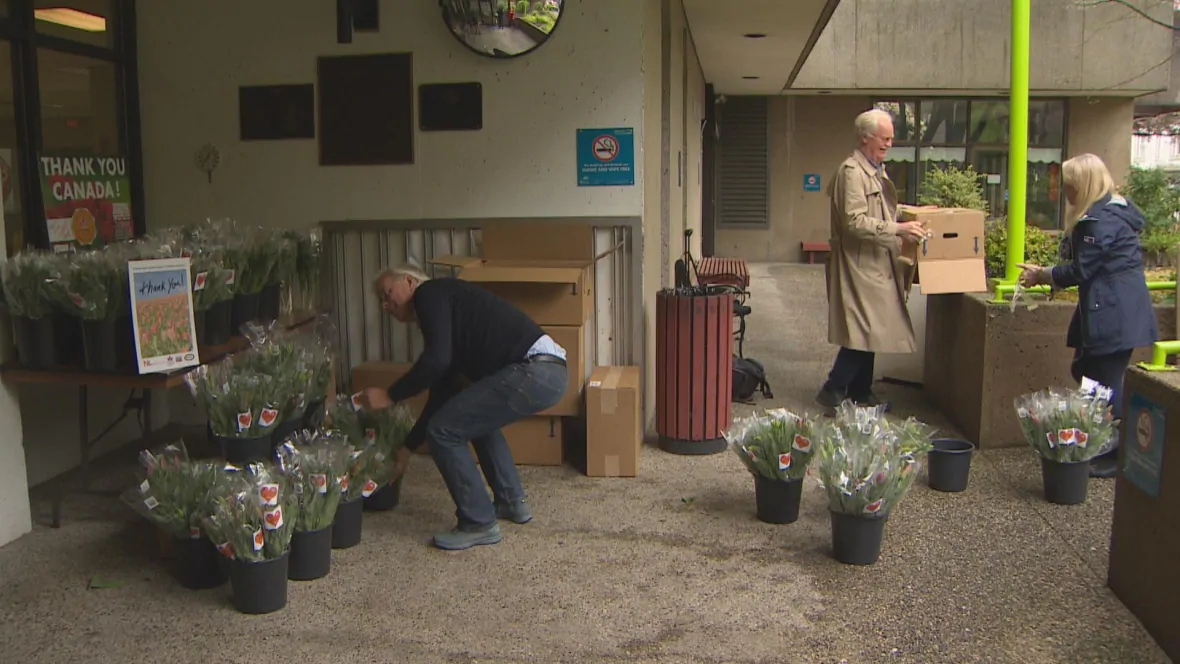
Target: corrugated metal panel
(742, 162)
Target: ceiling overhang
(755, 47)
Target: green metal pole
(1018, 138)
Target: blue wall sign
(1143, 443)
(606, 157)
(811, 182)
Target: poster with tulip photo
(87, 200)
(162, 314)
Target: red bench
(714, 271)
(813, 248)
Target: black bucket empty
(311, 554)
(245, 450)
(259, 587)
(1065, 483)
(245, 309)
(385, 498)
(99, 343)
(857, 539)
(195, 564)
(950, 465)
(219, 323)
(35, 342)
(777, 500)
(346, 529)
(270, 302)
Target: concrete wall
(889, 44)
(810, 134)
(521, 164)
(1167, 100)
(1102, 126)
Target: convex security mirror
(502, 28)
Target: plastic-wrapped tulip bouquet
(775, 444)
(1067, 426)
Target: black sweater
(468, 332)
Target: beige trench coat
(866, 285)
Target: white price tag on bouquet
(1089, 385)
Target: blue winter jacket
(1103, 258)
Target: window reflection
(79, 113)
(14, 211)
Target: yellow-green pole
(1018, 138)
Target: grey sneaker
(458, 539)
(518, 512)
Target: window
(742, 163)
(65, 89)
(941, 133)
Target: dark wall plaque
(276, 112)
(450, 107)
(366, 109)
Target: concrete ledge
(980, 356)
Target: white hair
(412, 271)
(869, 123)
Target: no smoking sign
(606, 157)
(606, 148)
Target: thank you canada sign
(87, 200)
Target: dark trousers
(1107, 370)
(852, 373)
(477, 414)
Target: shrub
(1156, 196)
(953, 187)
(522, 7)
(1040, 248)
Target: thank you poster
(162, 314)
(87, 200)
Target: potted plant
(212, 295)
(252, 512)
(317, 464)
(92, 288)
(172, 495)
(391, 426)
(348, 420)
(281, 272)
(240, 404)
(866, 464)
(776, 448)
(1067, 428)
(288, 364)
(253, 256)
(308, 269)
(26, 291)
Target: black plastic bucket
(284, 429)
(346, 528)
(777, 500)
(270, 302)
(385, 498)
(245, 310)
(857, 539)
(245, 450)
(949, 465)
(219, 323)
(1065, 483)
(313, 417)
(259, 587)
(195, 563)
(311, 554)
(35, 342)
(67, 341)
(98, 342)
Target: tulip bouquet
(92, 286)
(864, 462)
(252, 513)
(370, 464)
(775, 444)
(240, 402)
(173, 490)
(317, 464)
(26, 277)
(1067, 426)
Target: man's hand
(911, 231)
(401, 462)
(375, 398)
(1033, 275)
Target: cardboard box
(538, 241)
(614, 422)
(535, 441)
(550, 292)
(952, 259)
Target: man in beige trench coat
(866, 285)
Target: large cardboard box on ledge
(952, 259)
(614, 422)
(535, 441)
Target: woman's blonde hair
(1090, 180)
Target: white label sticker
(144, 486)
(596, 383)
(151, 503)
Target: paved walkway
(671, 567)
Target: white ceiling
(727, 56)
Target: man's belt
(545, 358)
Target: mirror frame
(443, 9)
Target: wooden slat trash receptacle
(694, 369)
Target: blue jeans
(477, 414)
